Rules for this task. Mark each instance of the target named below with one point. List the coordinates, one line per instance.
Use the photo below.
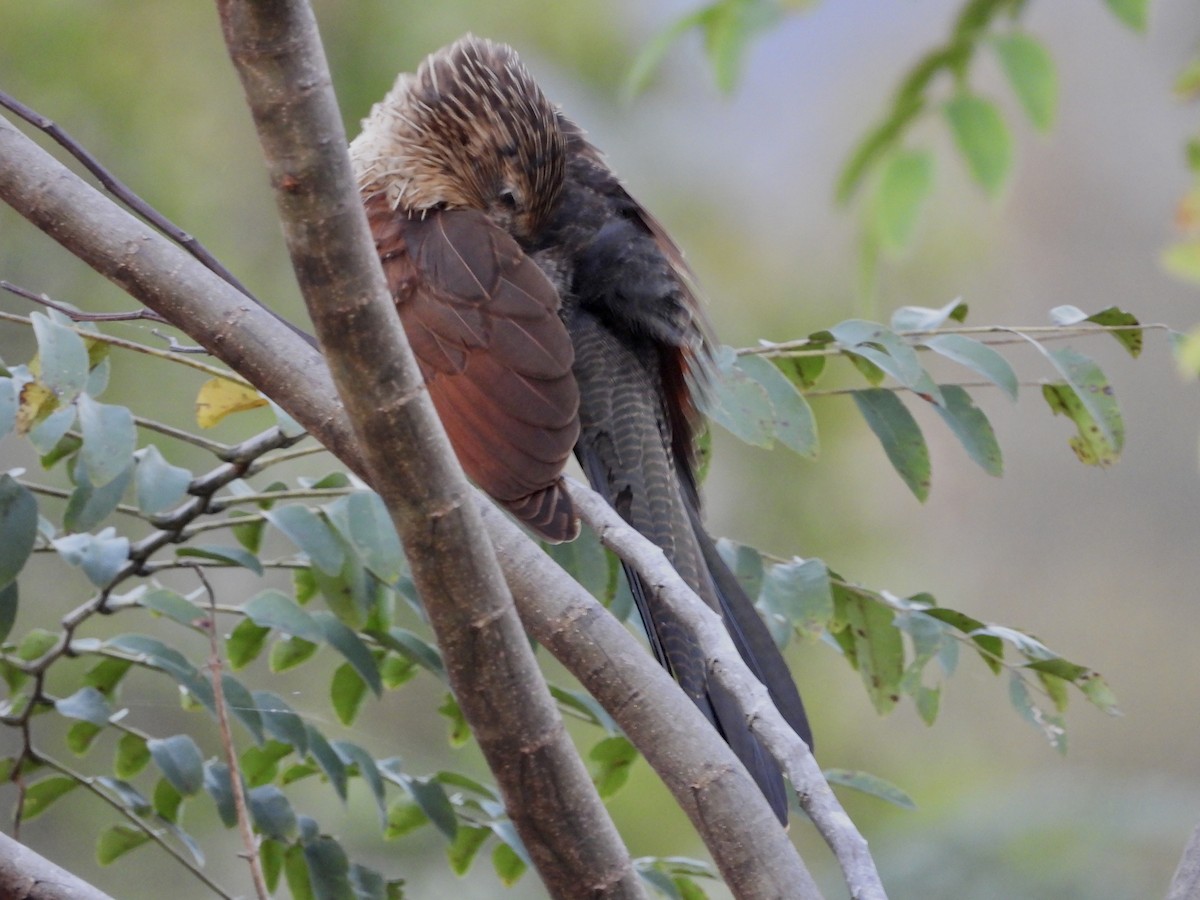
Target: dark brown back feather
(483, 323)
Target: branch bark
(756, 861)
(726, 665)
(276, 50)
(24, 875)
(1186, 883)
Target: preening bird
(551, 314)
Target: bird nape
(551, 314)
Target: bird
(551, 314)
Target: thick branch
(24, 875)
(549, 796)
(1186, 883)
(726, 665)
(293, 374)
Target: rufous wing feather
(482, 320)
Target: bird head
(470, 129)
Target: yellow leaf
(37, 401)
(219, 397)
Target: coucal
(551, 314)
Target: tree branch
(1186, 883)
(28, 876)
(556, 610)
(549, 796)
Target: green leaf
(738, 403)
(36, 643)
(281, 721)
(466, 844)
(924, 318)
(80, 737)
(978, 358)
(584, 558)
(412, 647)
(651, 56)
(89, 505)
(249, 535)
(328, 868)
(311, 535)
(132, 756)
(904, 186)
(802, 371)
(167, 800)
(972, 429)
(884, 348)
(328, 759)
(982, 138)
(460, 732)
(347, 690)
(9, 400)
(352, 754)
(351, 646)
(41, 794)
(87, 704)
(289, 652)
(274, 609)
(173, 606)
(797, 594)
(1132, 13)
(1030, 71)
(8, 609)
(429, 794)
(260, 764)
(240, 703)
(613, 758)
(792, 419)
(271, 812)
(870, 784)
(363, 521)
(245, 643)
(295, 869)
(180, 761)
(234, 556)
(508, 865)
(219, 786)
(1050, 725)
(876, 144)
(879, 649)
(1090, 444)
(403, 817)
(18, 529)
(728, 26)
(116, 841)
(1130, 336)
(62, 357)
(158, 485)
(107, 674)
(109, 439)
(101, 556)
(990, 647)
(65, 448)
(271, 855)
(900, 435)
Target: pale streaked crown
(469, 130)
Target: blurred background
(1101, 565)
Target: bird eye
(508, 199)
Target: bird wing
(482, 320)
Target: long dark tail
(624, 448)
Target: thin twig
(802, 347)
(76, 315)
(122, 192)
(139, 348)
(89, 784)
(235, 772)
